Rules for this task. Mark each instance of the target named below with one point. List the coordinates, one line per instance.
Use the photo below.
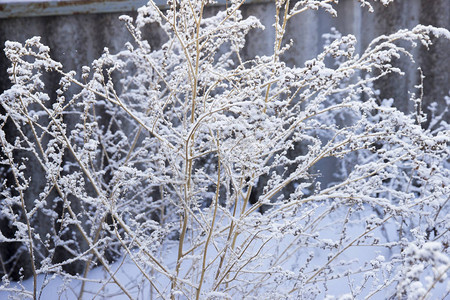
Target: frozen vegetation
(184, 172)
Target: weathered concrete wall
(76, 40)
(307, 28)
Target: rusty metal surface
(35, 8)
(30, 8)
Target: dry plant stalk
(179, 161)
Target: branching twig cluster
(179, 160)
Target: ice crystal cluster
(198, 168)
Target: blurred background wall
(78, 37)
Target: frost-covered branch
(200, 170)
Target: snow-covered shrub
(156, 157)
